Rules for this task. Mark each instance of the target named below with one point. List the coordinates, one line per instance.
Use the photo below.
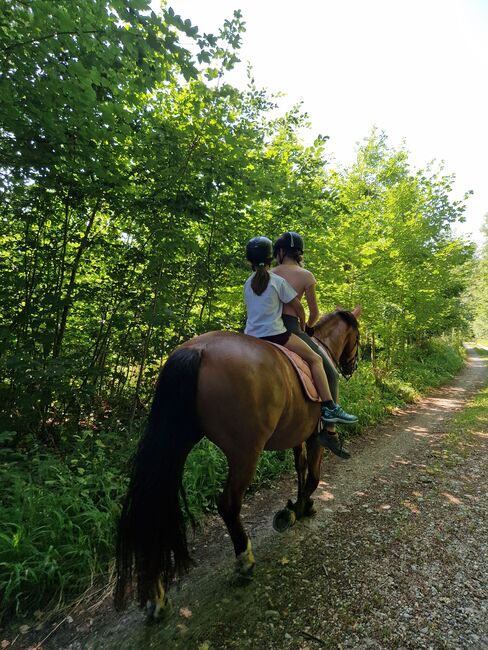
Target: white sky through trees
(416, 69)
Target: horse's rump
(247, 384)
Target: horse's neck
(335, 338)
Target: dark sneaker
(337, 414)
(332, 442)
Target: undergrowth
(373, 392)
(58, 508)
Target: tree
(479, 289)
(392, 249)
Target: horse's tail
(151, 537)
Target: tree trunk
(72, 282)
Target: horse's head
(339, 334)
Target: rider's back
(299, 278)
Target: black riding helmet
(290, 242)
(259, 250)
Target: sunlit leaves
(131, 193)
(394, 251)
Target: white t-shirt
(264, 311)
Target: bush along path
(395, 558)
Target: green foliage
(72, 80)
(376, 390)
(472, 421)
(206, 471)
(391, 249)
(479, 288)
(57, 519)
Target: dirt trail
(395, 558)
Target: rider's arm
(312, 305)
(299, 310)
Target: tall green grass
(374, 392)
(57, 522)
(58, 510)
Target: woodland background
(132, 176)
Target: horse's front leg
(285, 518)
(314, 459)
(307, 457)
(300, 455)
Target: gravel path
(395, 558)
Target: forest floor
(396, 556)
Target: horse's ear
(356, 312)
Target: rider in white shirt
(265, 294)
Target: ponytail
(261, 278)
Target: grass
(57, 523)
(373, 393)
(473, 419)
(466, 432)
(58, 510)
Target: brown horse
(243, 395)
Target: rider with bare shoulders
(266, 294)
(288, 252)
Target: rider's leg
(293, 326)
(295, 344)
(331, 412)
(328, 437)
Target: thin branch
(48, 36)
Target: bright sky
(417, 69)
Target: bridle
(348, 367)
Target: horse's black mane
(347, 316)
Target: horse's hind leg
(229, 506)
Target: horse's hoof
(245, 562)
(283, 520)
(244, 570)
(157, 612)
(239, 579)
(310, 510)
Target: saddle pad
(303, 371)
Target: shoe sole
(339, 420)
